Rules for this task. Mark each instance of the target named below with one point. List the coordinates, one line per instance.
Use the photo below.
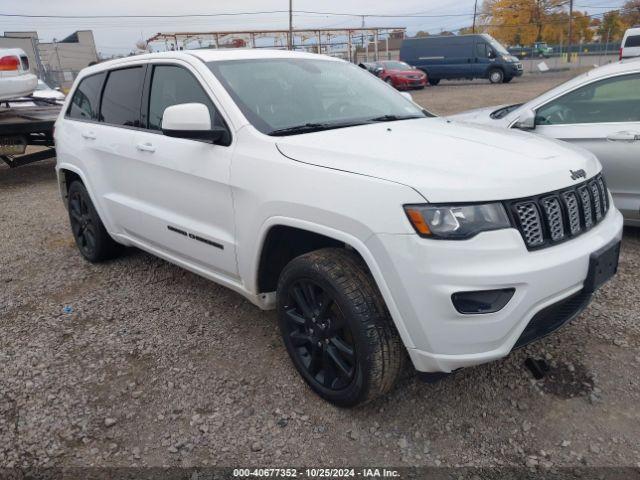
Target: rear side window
(172, 85)
(86, 99)
(632, 41)
(122, 96)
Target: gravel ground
(138, 362)
(453, 96)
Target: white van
(630, 46)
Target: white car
(312, 187)
(630, 45)
(599, 111)
(15, 79)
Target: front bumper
(406, 83)
(515, 70)
(422, 275)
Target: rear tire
(434, 81)
(92, 239)
(496, 76)
(337, 329)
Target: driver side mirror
(491, 53)
(526, 121)
(192, 121)
(378, 70)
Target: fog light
(482, 301)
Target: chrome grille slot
(604, 194)
(573, 212)
(551, 218)
(555, 224)
(597, 203)
(530, 223)
(587, 215)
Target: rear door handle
(146, 147)
(623, 137)
(88, 135)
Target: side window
(611, 100)
(632, 41)
(481, 50)
(172, 85)
(86, 99)
(122, 97)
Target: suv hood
(480, 115)
(444, 160)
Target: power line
(384, 15)
(229, 14)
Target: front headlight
(456, 221)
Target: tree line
(523, 22)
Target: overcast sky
(119, 35)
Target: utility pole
(290, 42)
(475, 10)
(570, 30)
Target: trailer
(25, 125)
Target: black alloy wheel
(319, 335)
(336, 328)
(93, 240)
(82, 226)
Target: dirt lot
(138, 362)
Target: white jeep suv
(310, 186)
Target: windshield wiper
(311, 127)
(393, 118)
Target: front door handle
(623, 137)
(88, 135)
(146, 147)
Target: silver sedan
(599, 111)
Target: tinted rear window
(122, 96)
(632, 41)
(86, 99)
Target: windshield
(279, 94)
(396, 66)
(497, 46)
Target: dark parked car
(461, 56)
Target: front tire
(496, 76)
(93, 240)
(336, 327)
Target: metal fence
(60, 78)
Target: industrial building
(57, 62)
